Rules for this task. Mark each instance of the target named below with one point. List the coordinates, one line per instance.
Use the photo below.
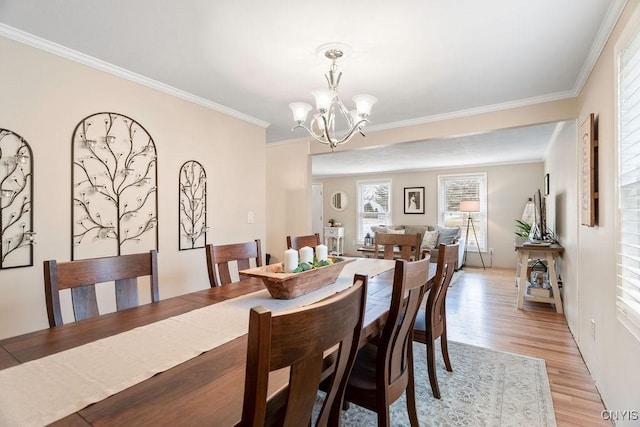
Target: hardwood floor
(481, 310)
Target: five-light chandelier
(328, 105)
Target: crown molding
(608, 24)
(473, 111)
(64, 52)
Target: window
(628, 194)
(452, 189)
(374, 205)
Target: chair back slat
(394, 349)
(447, 259)
(274, 342)
(297, 242)
(84, 302)
(220, 257)
(80, 277)
(408, 245)
(126, 293)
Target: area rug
(486, 388)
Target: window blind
(628, 145)
(452, 189)
(374, 205)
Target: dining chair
(219, 258)
(299, 339)
(408, 245)
(431, 322)
(298, 242)
(81, 276)
(383, 369)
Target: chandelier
(329, 105)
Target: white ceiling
(516, 145)
(423, 59)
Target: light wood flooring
(481, 310)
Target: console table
(334, 240)
(548, 252)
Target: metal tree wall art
(115, 198)
(193, 206)
(16, 194)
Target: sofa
(432, 236)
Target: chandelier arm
(354, 129)
(325, 126)
(311, 133)
(345, 113)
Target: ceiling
(422, 59)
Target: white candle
(322, 252)
(306, 254)
(290, 260)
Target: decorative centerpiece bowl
(283, 285)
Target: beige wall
(612, 356)
(562, 213)
(288, 195)
(508, 188)
(45, 96)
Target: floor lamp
(470, 206)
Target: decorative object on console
(330, 108)
(414, 200)
(16, 196)
(471, 206)
(113, 182)
(589, 176)
(193, 206)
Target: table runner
(42, 391)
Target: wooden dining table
(205, 390)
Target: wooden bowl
(292, 285)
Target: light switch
(250, 217)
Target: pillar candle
(306, 254)
(290, 260)
(321, 252)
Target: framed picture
(546, 185)
(588, 172)
(414, 200)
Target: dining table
(204, 390)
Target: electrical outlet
(490, 251)
(593, 329)
(251, 218)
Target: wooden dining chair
(408, 246)
(298, 242)
(219, 257)
(383, 369)
(299, 339)
(431, 322)
(81, 276)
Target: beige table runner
(47, 389)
